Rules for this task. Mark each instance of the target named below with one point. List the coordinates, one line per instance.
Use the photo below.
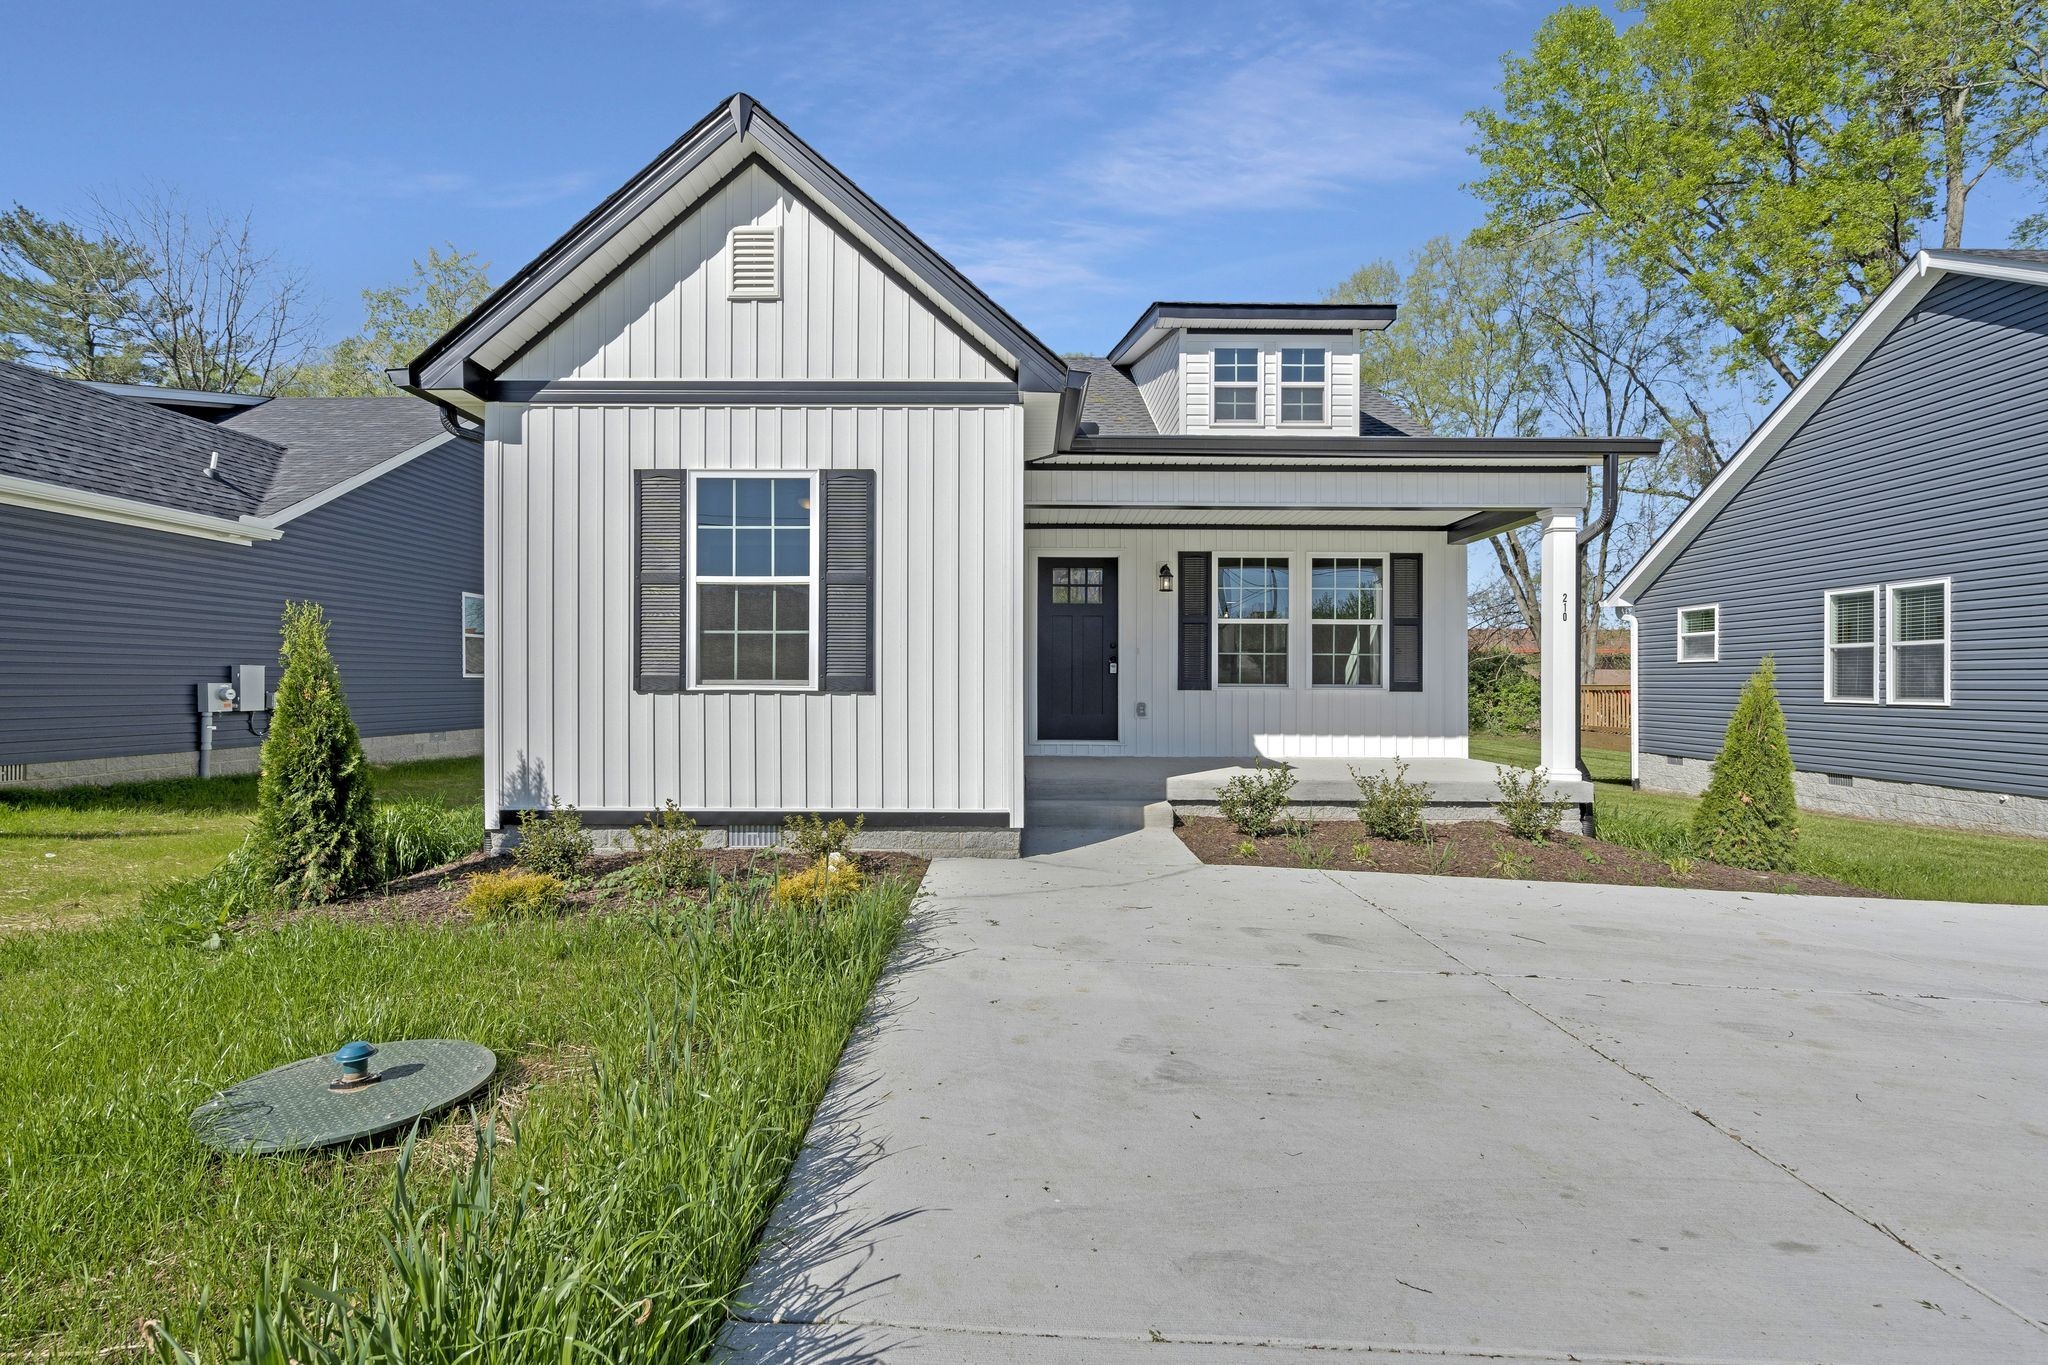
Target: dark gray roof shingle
(2001, 254)
(329, 440)
(54, 430)
(1379, 415)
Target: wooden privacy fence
(1604, 706)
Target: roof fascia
(1793, 410)
(355, 481)
(78, 502)
(1167, 317)
(1589, 450)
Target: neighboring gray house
(130, 575)
(782, 513)
(1883, 535)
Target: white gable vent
(755, 270)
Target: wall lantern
(1165, 578)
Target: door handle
(1112, 658)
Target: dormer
(1250, 368)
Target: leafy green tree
(68, 299)
(1778, 159)
(399, 322)
(1748, 817)
(314, 818)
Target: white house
(784, 514)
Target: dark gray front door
(1077, 649)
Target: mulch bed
(435, 895)
(1480, 848)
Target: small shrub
(513, 894)
(1523, 805)
(415, 835)
(671, 850)
(1247, 848)
(553, 841)
(1361, 852)
(1389, 805)
(1680, 865)
(1747, 818)
(1253, 801)
(1512, 863)
(820, 884)
(315, 828)
(816, 840)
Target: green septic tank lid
(320, 1101)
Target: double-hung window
(1699, 635)
(1852, 645)
(1346, 622)
(472, 635)
(1304, 384)
(752, 554)
(1916, 630)
(1235, 384)
(1252, 612)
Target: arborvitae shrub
(315, 832)
(1747, 817)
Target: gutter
(78, 502)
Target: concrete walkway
(1112, 1105)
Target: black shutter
(1404, 618)
(849, 578)
(659, 496)
(1195, 602)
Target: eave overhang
(1469, 452)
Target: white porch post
(1560, 708)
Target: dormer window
(1236, 384)
(1304, 384)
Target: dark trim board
(1217, 526)
(719, 819)
(1046, 462)
(1514, 450)
(723, 393)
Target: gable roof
(1889, 309)
(458, 366)
(75, 447)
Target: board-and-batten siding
(1157, 375)
(942, 731)
(667, 315)
(105, 629)
(1930, 461)
(1292, 722)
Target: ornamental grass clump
(1254, 802)
(824, 882)
(512, 894)
(1748, 817)
(1389, 805)
(315, 831)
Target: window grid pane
(1301, 366)
(758, 529)
(1701, 621)
(1917, 672)
(1252, 611)
(1852, 672)
(1237, 365)
(1301, 405)
(1852, 618)
(1920, 614)
(1345, 589)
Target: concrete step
(1106, 815)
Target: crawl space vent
(754, 267)
(752, 836)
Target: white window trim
(1828, 645)
(462, 635)
(1948, 635)
(691, 580)
(1678, 642)
(1280, 360)
(1288, 557)
(1257, 386)
(1380, 620)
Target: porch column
(1560, 708)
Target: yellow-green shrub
(820, 882)
(513, 894)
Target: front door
(1076, 648)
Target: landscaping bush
(810, 836)
(1523, 806)
(415, 835)
(823, 882)
(1747, 818)
(1503, 695)
(512, 894)
(1255, 801)
(1389, 805)
(553, 841)
(671, 850)
(314, 832)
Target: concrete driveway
(1114, 1105)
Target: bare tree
(216, 311)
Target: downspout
(1610, 484)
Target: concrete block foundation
(1873, 798)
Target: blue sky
(1077, 161)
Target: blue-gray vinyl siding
(1930, 461)
(105, 628)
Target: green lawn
(72, 855)
(1899, 860)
